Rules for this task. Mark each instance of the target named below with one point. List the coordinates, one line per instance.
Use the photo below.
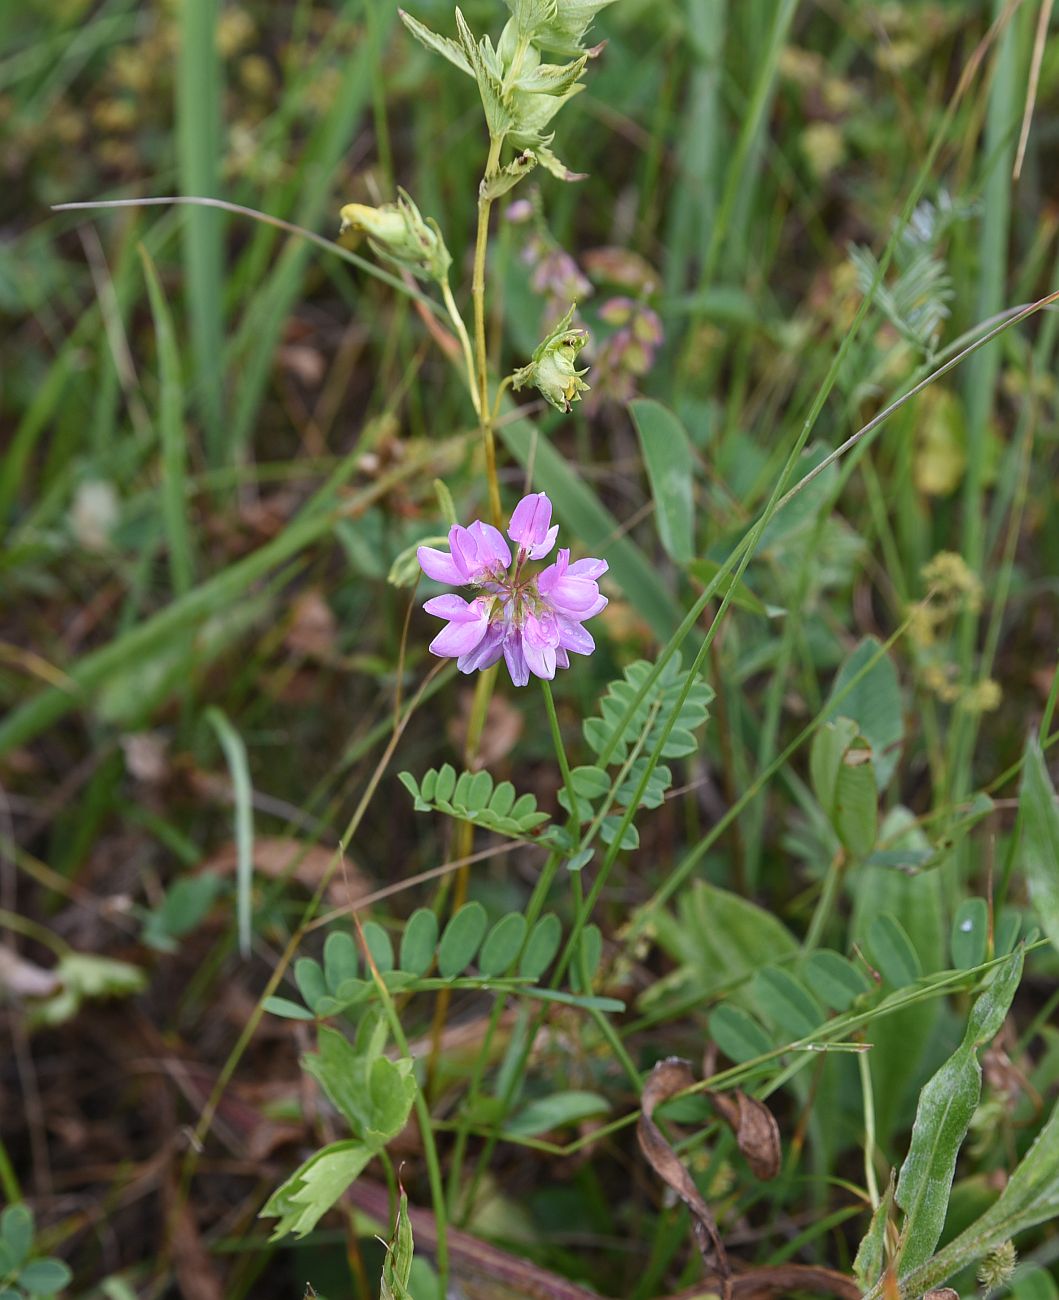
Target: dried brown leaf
(942, 1293)
(669, 1077)
(275, 855)
(755, 1129)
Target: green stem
(465, 344)
(560, 752)
(485, 418)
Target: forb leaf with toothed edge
(302, 1201)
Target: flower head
(533, 620)
(399, 235)
(552, 370)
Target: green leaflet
(302, 1201)
(946, 1105)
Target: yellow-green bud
(553, 371)
(398, 234)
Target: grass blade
(235, 754)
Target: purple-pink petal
(540, 659)
(574, 595)
(439, 566)
(454, 608)
(572, 636)
(516, 659)
(493, 551)
(588, 568)
(485, 653)
(458, 638)
(539, 552)
(530, 520)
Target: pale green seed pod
(553, 371)
(398, 234)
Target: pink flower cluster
(533, 620)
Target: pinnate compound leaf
(946, 1105)
(302, 1201)
(460, 941)
(1040, 840)
(419, 940)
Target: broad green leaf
(946, 1105)
(187, 903)
(541, 946)
(671, 474)
(461, 939)
(1040, 840)
(502, 945)
(892, 951)
(834, 979)
(557, 1111)
(302, 1201)
(340, 959)
(1035, 1284)
(379, 945)
(970, 933)
(503, 799)
(85, 975)
(419, 940)
(341, 1072)
(737, 1034)
(874, 704)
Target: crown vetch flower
(533, 620)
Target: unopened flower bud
(553, 371)
(398, 233)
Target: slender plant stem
(465, 344)
(481, 245)
(560, 751)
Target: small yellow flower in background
(983, 697)
(954, 585)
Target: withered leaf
(667, 1078)
(755, 1129)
